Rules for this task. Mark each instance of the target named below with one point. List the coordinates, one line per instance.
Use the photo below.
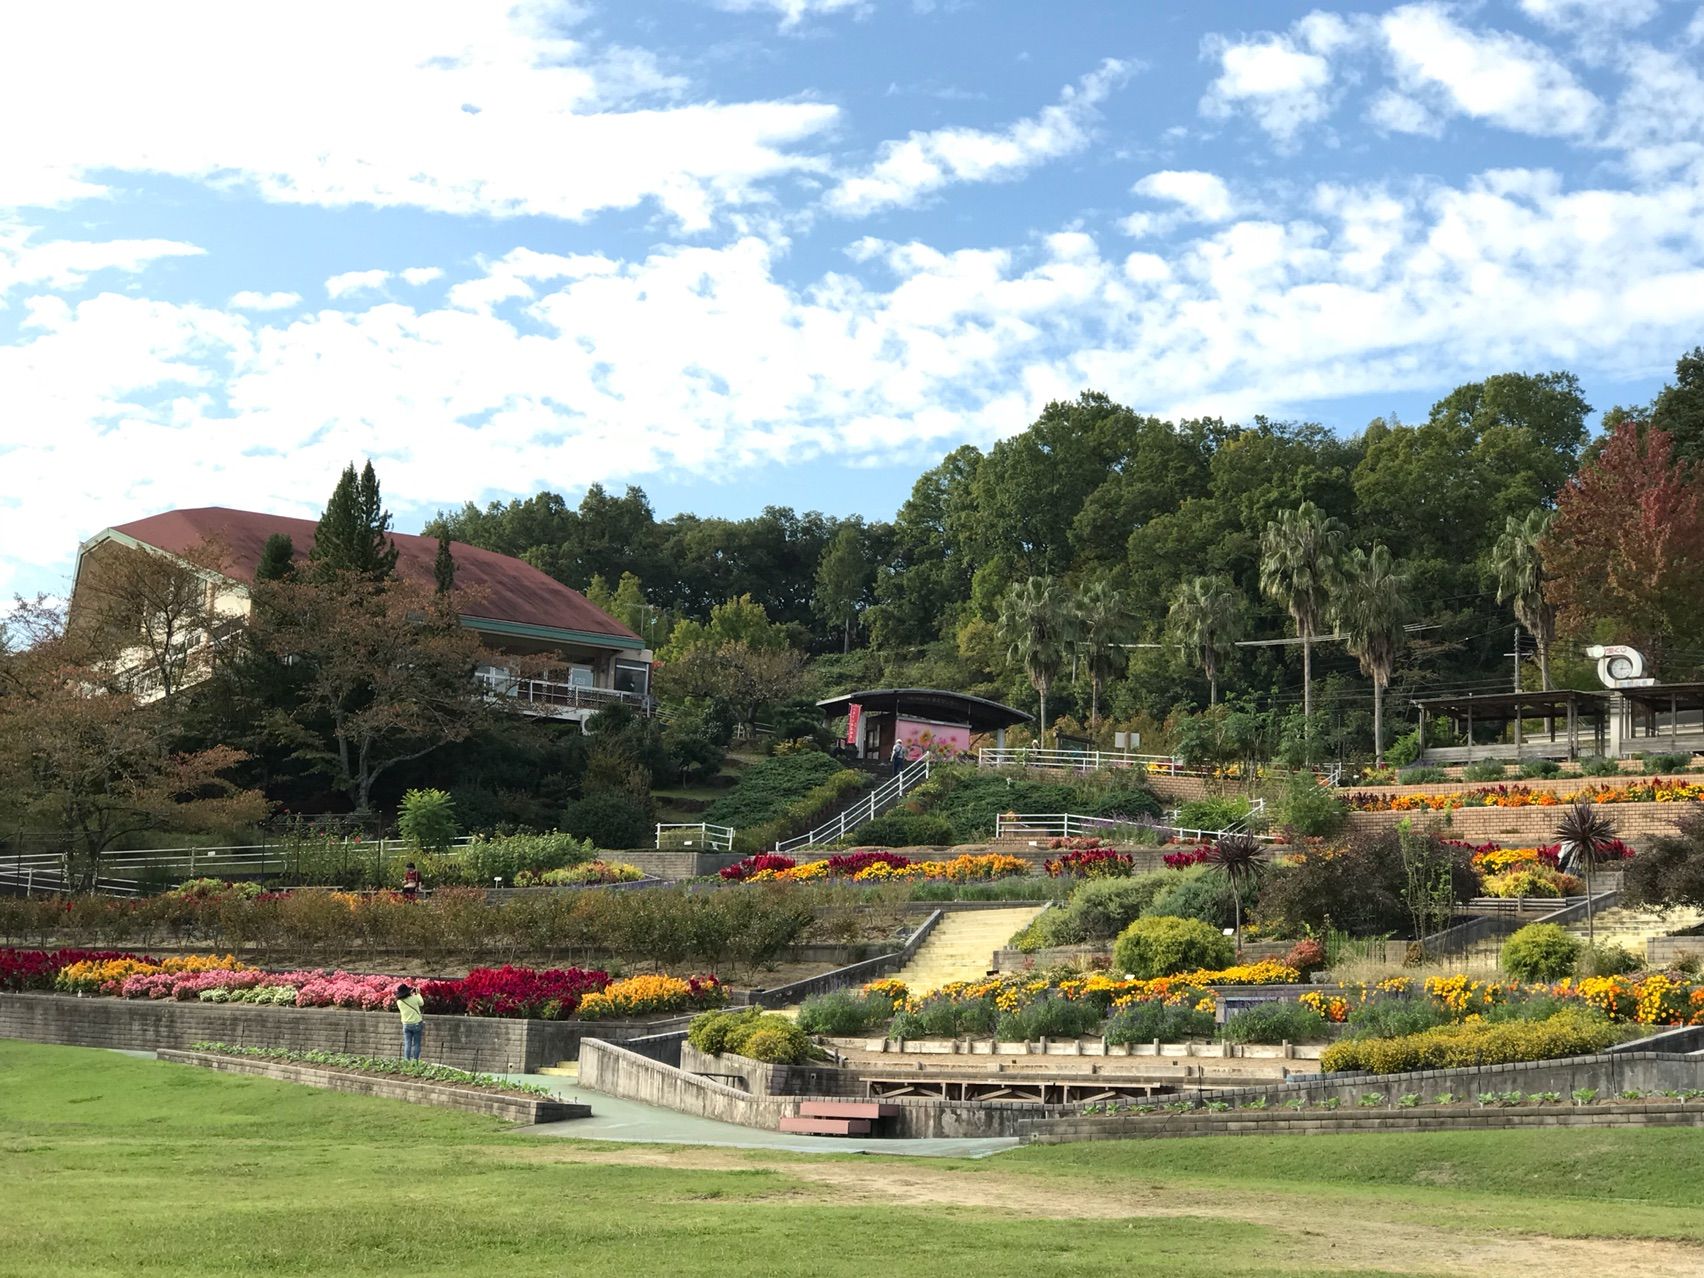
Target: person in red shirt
(410, 881)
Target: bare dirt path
(1326, 1232)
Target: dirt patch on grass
(1324, 1232)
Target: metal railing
(1071, 825)
(551, 697)
(1083, 760)
(868, 808)
(712, 838)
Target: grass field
(113, 1165)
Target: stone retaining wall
(1529, 827)
(761, 1079)
(491, 1044)
(515, 1109)
(1665, 951)
(615, 1071)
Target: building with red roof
(593, 660)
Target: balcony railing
(551, 698)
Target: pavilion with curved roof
(924, 720)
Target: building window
(634, 677)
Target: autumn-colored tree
(385, 672)
(86, 767)
(737, 677)
(1626, 548)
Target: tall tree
(1519, 565)
(353, 535)
(1035, 622)
(1299, 557)
(1206, 617)
(843, 581)
(1370, 608)
(1100, 627)
(277, 558)
(444, 566)
(1679, 407)
(1626, 549)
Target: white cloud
(457, 106)
(355, 282)
(1398, 113)
(1568, 15)
(1658, 121)
(1202, 196)
(67, 264)
(419, 275)
(248, 300)
(793, 12)
(1284, 80)
(1488, 75)
(908, 172)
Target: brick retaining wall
(515, 1109)
(491, 1044)
(1529, 826)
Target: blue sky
(744, 252)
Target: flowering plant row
(756, 863)
(889, 867)
(1099, 862)
(36, 969)
(105, 976)
(1188, 856)
(650, 995)
(1522, 796)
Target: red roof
(513, 590)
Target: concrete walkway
(624, 1120)
(961, 948)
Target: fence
(715, 838)
(1082, 760)
(1071, 825)
(868, 808)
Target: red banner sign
(852, 717)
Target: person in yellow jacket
(413, 1010)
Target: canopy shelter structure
(1578, 715)
(1664, 715)
(923, 720)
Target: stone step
(826, 1126)
(868, 1110)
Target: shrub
(844, 1012)
(1162, 945)
(1484, 770)
(1099, 909)
(1047, 1017)
(427, 820)
(1311, 809)
(1533, 769)
(1421, 776)
(1532, 880)
(1200, 894)
(1216, 812)
(768, 788)
(782, 1043)
(610, 819)
(710, 1032)
(1570, 1033)
(1146, 1021)
(1540, 952)
(1274, 1023)
(1404, 750)
(1595, 765)
(941, 1017)
(905, 830)
(750, 1032)
(1394, 1017)
(1306, 956)
(1668, 762)
(1607, 960)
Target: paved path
(961, 948)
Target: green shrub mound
(1395, 1017)
(1162, 945)
(757, 1035)
(1426, 775)
(1484, 770)
(1667, 762)
(939, 1017)
(1047, 1017)
(842, 1013)
(1574, 1032)
(1275, 1022)
(1541, 952)
(1595, 765)
(1198, 893)
(971, 799)
(1607, 959)
(1098, 910)
(611, 819)
(782, 795)
(1537, 769)
(904, 830)
(427, 820)
(1310, 808)
(481, 860)
(1217, 812)
(1145, 1022)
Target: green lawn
(113, 1165)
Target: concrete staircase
(838, 1118)
(562, 1069)
(961, 948)
(1632, 927)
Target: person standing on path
(413, 1010)
(898, 756)
(410, 881)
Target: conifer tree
(354, 532)
(276, 558)
(444, 566)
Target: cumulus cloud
(1203, 196)
(481, 100)
(907, 172)
(248, 300)
(1567, 15)
(64, 264)
(355, 282)
(1488, 75)
(1283, 80)
(419, 275)
(1398, 113)
(793, 12)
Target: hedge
(1570, 1033)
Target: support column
(1421, 757)
(1573, 734)
(1517, 732)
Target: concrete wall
(1664, 951)
(514, 1109)
(466, 1042)
(760, 1079)
(1529, 827)
(615, 1071)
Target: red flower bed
(755, 864)
(1183, 860)
(35, 969)
(1091, 863)
(849, 863)
(551, 994)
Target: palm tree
(1102, 624)
(1299, 553)
(1035, 621)
(1519, 565)
(1238, 858)
(1584, 831)
(1206, 616)
(1370, 608)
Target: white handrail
(717, 838)
(868, 808)
(1073, 825)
